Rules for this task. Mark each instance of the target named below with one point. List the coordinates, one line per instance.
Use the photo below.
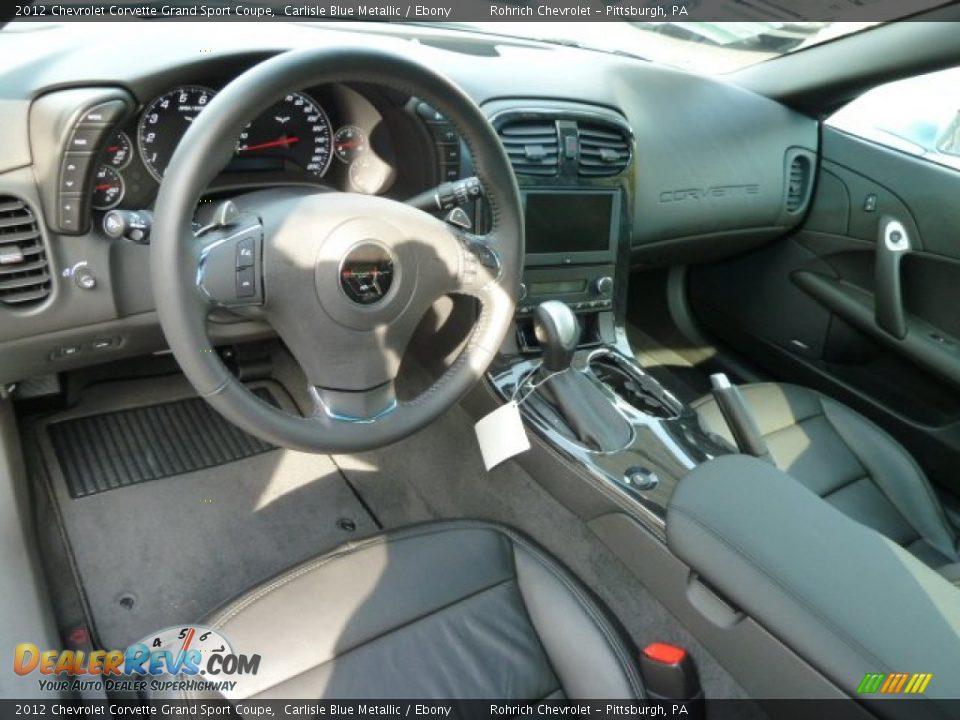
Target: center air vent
(604, 150)
(24, 273)
(532, 146)
(798, 183)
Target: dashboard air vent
(798, 182)
(532, 146)
(24, 273)
(604, 150)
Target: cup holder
(632, 385)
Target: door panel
(823, 306)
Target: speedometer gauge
(293, 130)
(165, 121)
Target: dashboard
(676, 168)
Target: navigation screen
(568, 222)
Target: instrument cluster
(321, 137)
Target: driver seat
(456, 609)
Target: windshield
(702, 47)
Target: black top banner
(787, 12)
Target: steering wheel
(344, 279)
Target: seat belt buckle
(669, 673)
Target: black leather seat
(851, 463)
(443, 610)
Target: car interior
(433, 360)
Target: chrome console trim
(667, 447)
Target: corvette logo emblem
(366, 274)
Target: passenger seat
(851, 463)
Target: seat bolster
(897, 475)
(585, 650)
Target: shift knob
(558, 331)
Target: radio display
(563, 223)
(558, 287)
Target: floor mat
(166, 552)
(111, 450)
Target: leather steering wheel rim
(208, 145)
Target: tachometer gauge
(118, 152)
(349, 143)
(165, 122)
(295, 130)
(107, 188)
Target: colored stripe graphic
(894, 683)
(870, 683)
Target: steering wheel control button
(459, 217)
(246, 283)
(485, 254)
(366, 273)
(229, 270)
(245, 250)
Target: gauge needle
(273, 143)
(105, 186)
(187, 640)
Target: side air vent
(532, 146)
(798, 183)
(604, 150)
(24, 273)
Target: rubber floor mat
(151, 555)
(112, 450)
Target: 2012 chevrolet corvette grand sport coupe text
(601, 368)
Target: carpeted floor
(168, 551)
(180, 546)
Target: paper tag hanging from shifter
(501, 435)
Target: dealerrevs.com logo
(191, 658)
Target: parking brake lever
(736, 412)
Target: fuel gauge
(108, 188)
(119, 151)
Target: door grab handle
(893, 244)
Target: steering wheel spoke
(230, 264)
(354, 406)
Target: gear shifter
(579, 407)
(558, 331)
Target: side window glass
(919, 116)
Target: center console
(587, 396)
